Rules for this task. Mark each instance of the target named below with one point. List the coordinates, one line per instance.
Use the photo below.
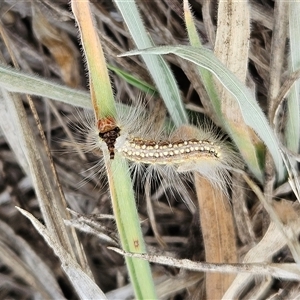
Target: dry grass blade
(271, 243)
(233, 31)
(21, 258)
(9, 130)
(282, 93)
(278, 49)
(283, 218)
(53, 217)
(38, 172)
(284, 271)
(218, 234)
(276, 65)
(90, 226)
(292, 131)
(85, 287)
(42, 182)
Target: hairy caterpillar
(166, 156)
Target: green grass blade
(134, 81)
(252, 113)
(206, 76)
(101, 90)
(132, 238)
(20, 82)
(120, 185)
(159, 70)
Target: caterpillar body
(168, 152)
(160, 156)
(186, 150)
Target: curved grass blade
(252, 113)
(249, 144)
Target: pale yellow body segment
(168, 152)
